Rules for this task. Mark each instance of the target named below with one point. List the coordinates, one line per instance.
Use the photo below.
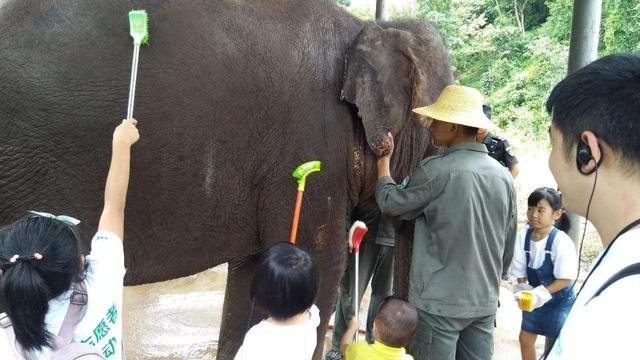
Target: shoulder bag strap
(633, 269)
(75, 313)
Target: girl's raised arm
(115, 192)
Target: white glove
(521, 286)
(540, 295)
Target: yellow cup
(526, 300)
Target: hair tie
(15, 258)
(64, 218)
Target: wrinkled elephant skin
(232, 96)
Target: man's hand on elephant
(126, 133)
(384, 160)
(387, 146)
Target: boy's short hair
(603, 97)
(396, 322)
(285, 282)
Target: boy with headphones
(595, 158)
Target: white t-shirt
(607, 327)
(268, 341)
(563, 256)
(101, 326)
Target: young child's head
(396, 322)
(40, 258)
(545, 209)
(286, 281)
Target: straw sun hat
(459, 105)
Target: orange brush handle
(296, 217)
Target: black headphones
(583, 156)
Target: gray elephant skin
(232, 95)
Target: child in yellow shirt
(394, 326)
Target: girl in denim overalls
(545, 263)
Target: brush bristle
(139, 26)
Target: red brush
(356, 234)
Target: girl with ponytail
(42, 268)
(545, 263)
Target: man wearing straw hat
(464, 206)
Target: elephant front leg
(237, 307)
(326, 301)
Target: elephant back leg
(237, 307)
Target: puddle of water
(177, 319)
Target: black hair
(603, 97)
(469, 130)
(396, 321)
(28, 282)
(486, 109)
(285, 282)
(554, 198)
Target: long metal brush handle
(134, 74)
(355, 291)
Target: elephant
(231, 96)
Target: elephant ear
(390, 71)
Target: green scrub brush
(139, 29)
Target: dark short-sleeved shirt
(380, 228)
(464, 207)
(500, 150)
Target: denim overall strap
(549, 246)
(545, 272)
(532, 277)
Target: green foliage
(620, 26)
(367, 11)
(558, 25)
(399, 11)
(517, 69)
(515, 51)
(364, 12)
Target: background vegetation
(514, 51)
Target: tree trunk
(381, 10)
(519, 12)
(498, 8)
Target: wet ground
(177, 319)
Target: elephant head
(390, 69)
